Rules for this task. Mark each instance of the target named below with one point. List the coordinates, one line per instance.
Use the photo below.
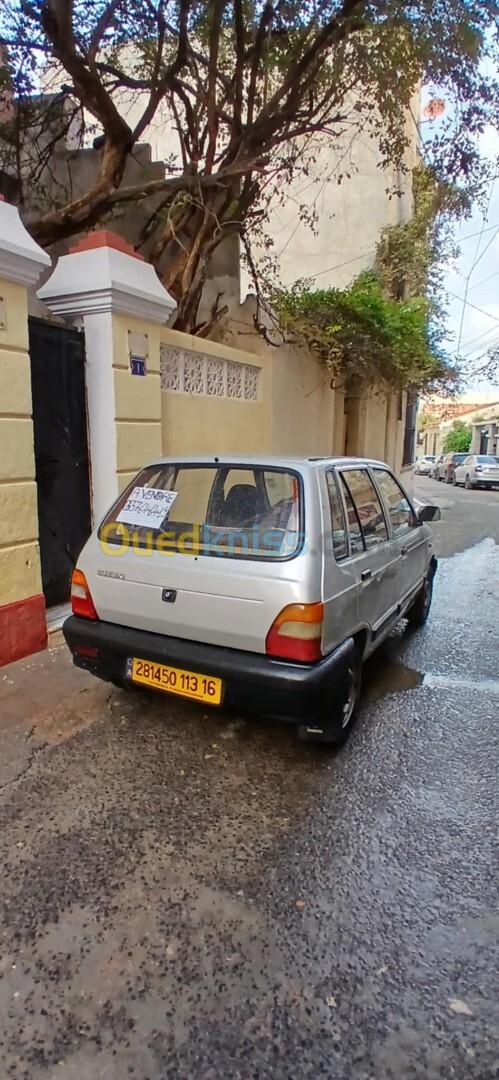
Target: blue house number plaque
(137, 365)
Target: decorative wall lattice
(186, 372)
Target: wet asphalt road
(201, 896)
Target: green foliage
(410, 255)
(361, 333)
(458, 440)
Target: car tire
(468, 485)
(454, 481)
(420, 609)
(334, 728)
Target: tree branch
(160, 86)
(263, 27)
(211, 97)
(238, 77)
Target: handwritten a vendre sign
(147, 507)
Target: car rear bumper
(251, 681)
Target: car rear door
(340, 573)
(408, 537)
(374, 558)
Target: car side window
(340, 538)
(399, 509)
(354, 527)
(367, 504)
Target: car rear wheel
(468, 485)
(334, 726)
(420, 609)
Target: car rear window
(487, 459)
(236, 511)
(458, 458)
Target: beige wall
(199, 424)
(297, 412)
(375, 423)
(19, 554)
(294, 413)
(303, 405)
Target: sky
(472, 282)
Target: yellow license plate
(189, 684)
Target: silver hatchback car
(256, 583)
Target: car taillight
(81, 599)
(478, 468)
(296, 633)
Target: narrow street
(200, 896)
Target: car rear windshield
(456, 458)
(236, 511)
(487, 459)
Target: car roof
(260, 459)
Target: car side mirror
(429, 512)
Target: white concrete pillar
(492, 438)
(476, 437)
(119, 300)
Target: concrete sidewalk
(44, 700)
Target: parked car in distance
(435, 466)
(424, 464)
(477, 470)
(447, 466)
(255, 583)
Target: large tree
(249, 90)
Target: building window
(186, 372)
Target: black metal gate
(61, 451)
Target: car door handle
(366, 575)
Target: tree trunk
(183, 251)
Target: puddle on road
(396, 678)
(468, 584)
(390, 679)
